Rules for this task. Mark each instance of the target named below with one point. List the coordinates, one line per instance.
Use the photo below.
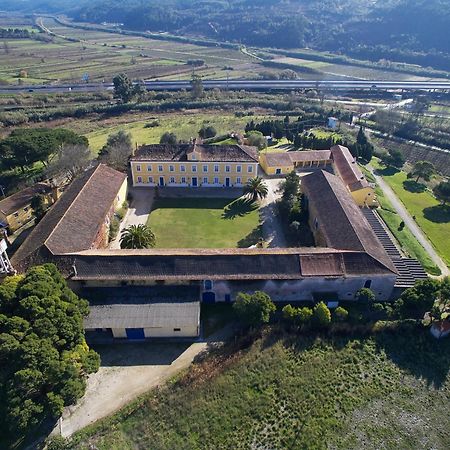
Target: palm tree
(256, 188)
(137, 236)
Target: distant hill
(411, 31)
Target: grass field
(405, 238)
(387, 391)
(185, 126)
(432, 217)
(204, 223)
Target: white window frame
(139, 180)
(183, 180)
(194, 168)
(160, 168)
(227, 169)
(182, 168)
(138, 167)
(205, 169)
(250, 169)
(216, 168)
(238, 169)
(150, 179)
(205, 180)
(149, 168)
(238, 180)
(216, 180)
(171, 168)
(172, 180)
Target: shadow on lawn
(239, 208)
(414, 186)
(437, 214)
(252, 238)
(387, 171)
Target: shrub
(153, 124)
(340, 314)
(321, 315)
(254, 309)
(114, 228)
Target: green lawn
(204, 223)
(185, 126)
(405, 238)
(387, 391)
(432, 217)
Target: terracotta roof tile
(22, 198)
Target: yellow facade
(365, 197)
(192, 173)
(274, 170)
(23, 215)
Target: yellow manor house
(193, 165)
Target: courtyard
(205, 222)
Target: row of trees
(44, 359)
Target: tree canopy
(44, 358)
(254, 309)
(137, 236)
(26, 146)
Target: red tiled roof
(347, 168)
(22, 198)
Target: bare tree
(70, 161)
(117, 156)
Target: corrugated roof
(22, 198)
(151, 315)
(178, 152)
(347, 168)
(341, 222)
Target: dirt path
(410, 222)
(127, 371)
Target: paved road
(251, 85)
(127, 371)
(410, 223)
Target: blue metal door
(135, 333)
(194, 182)
(227, 182)
(209, 297)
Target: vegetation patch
(293, 391)
(205, 223)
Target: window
(149, 168)
(208, 285)
(367, 284)
(177, 329)
(227, 168)
(150, 179)
(25, 209)
(172, 180)
(205, 169)
(216, 180)
(316, 223)
(249, 169)
(238, 169)
(139, 179)
(171, 169)
(183, 180)
(205, 180)
(216, 168)
(238, 180)
(138, 168)
(16, 214)
(278, 171)
(183, 168)
(194, 168)
(160, 168)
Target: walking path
(272, 229)
(138, 212)
(410, 222)
(127, 371)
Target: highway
(248, 85)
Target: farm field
(432, 217)
(296, 392)
(204, 223)
(185, 126)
